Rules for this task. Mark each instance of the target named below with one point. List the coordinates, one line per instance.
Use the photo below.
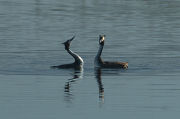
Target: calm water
(144, 33)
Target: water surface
(143, 33)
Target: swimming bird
(78, 64)
(99, 63)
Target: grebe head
(67, 43)
(101, 40)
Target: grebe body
(78, 64)
(99, 63)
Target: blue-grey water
(144, 33)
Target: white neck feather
(77, 58)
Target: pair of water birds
(98, 62)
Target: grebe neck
(78, 59)
(98, 60)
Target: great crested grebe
(78, 64)
(99, 63)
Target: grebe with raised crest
(99, 63)
(78, 64)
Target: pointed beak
(72, 38)
(69, 41)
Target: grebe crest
(78, 64)
(99, 63)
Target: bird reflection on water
(97, 73)
(68, 91)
